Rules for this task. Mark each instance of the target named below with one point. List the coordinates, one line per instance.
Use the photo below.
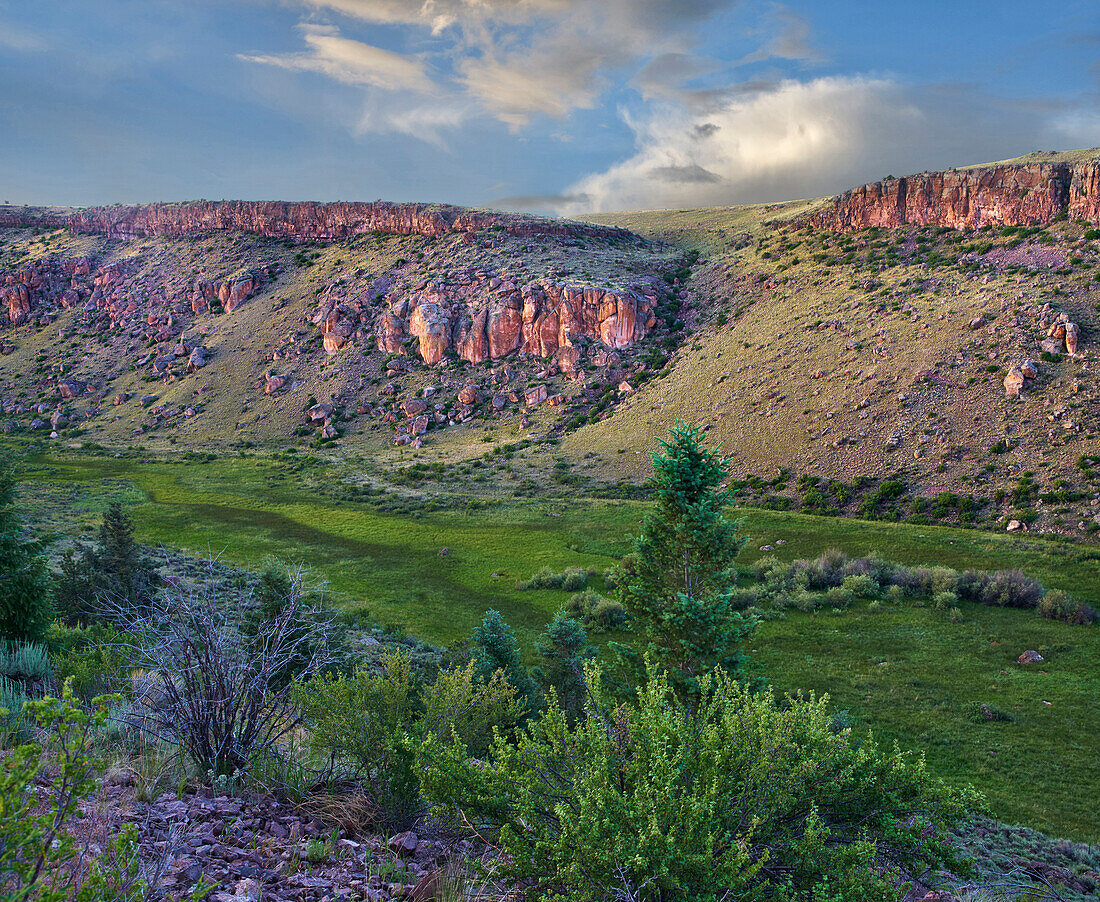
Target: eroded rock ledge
(300, 221)
(1009, 194)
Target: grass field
(908, 671)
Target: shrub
(1001, 588)
(840, 596)
(25, 597)
(96, 659)
(25, 662)
(218, 693)
(595, 611)
(371, 722)
(41, 858)
(945, 600)
(14, 726)
(1059, 605)
(733, 795)
(862, 586)
(572, 579)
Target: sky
(553, 106)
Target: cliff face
(481, 317)
(303, 221)
(1010, 194)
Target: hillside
(879, 353)
(225, 336)
(918, 371)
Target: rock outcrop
(300, 221)
(1022, 194)
(481, 316)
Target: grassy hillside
(876, 354)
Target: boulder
(1072, 338)
(273, 383)
(1029, 368)
(1013, 382)
(534, 395)
(468, 394)
(1030, 657)
(403, 844)
(413, 406)
(499, 401)
(318, 413)
(420, 425)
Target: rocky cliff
(1006, 194)
(299, 221)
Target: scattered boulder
(413, 406)
(1014, 382)
(534, 395)
(273, 383)
(1030, 657)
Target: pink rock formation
(302, 221)
(1009, 194)
(481, 317)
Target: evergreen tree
(116, 567)
(676, 585)
(25, 603)
(495, 648)
(564, 649)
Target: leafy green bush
(372, 722)
(733, 795)
(40, 859)
(861, 585)
(96, 659)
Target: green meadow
(909, 671)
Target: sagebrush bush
(571, 579)
(1000, 588)
(1059, 605)
(595, 611)
(25, 662)
(733, 795)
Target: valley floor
(909, 671)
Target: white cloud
(787, 141)
(351, 62)
(515, 58)
(796, 139)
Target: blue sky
(552, 105)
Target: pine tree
(564, 649)
(495, 648)
(676, 585)
(116, 568)
(25, 602)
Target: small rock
(1030, 657)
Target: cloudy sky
(559, 106)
